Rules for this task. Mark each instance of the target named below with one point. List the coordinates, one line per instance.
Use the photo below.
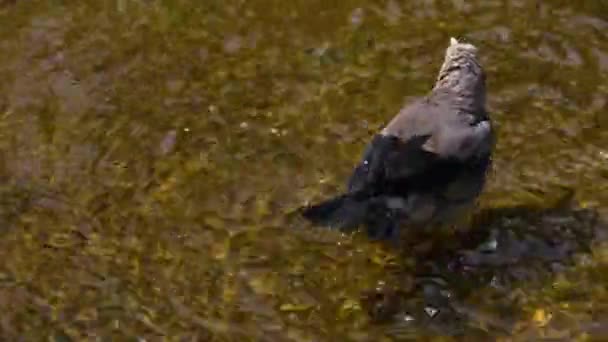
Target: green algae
(151, 153)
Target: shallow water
(151, 153)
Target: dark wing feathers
(371, 168)
(432, 157)
(388, 160)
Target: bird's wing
(387, 159)
(370, 171)
(461, 138)
(451, 133)
(429, 148)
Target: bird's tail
(348, 211)
(342, 212)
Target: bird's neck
(464, 78)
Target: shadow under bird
(428, 165)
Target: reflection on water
(505, 250)
(151, 152)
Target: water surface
(151, 152)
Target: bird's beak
(453, 41)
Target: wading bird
(429, 163)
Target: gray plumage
(428, 164)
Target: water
(152, 152)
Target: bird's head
(458, 50)
(461, 71)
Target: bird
(428, 165)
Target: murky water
(151, 153)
